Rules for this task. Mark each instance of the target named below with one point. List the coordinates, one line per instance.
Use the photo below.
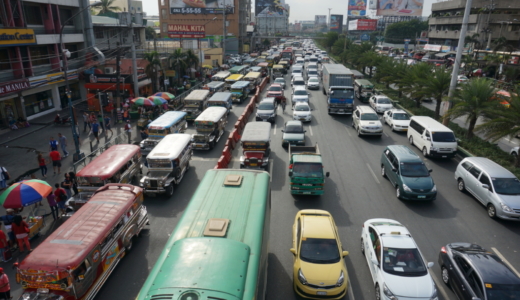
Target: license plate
(341, 110)
(308, 193)
(321, 293)
(200, 146)
(444, 156)
(307, 184)
(253, 165)
(302, 119)
(264, 120)
(421, 197)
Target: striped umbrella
(157, 100)
(25, 193)
(165, 95)
(141, 101)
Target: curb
(25, 134)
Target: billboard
(357, 7)
(336, 23)
(186, 31)
(320, 20)
(366, 24)
(200, 6)
(352, 25)
(397, 8)
(269, 7)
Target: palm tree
(436, 84)
(154, 64)
(473, 100)
(412, 84)
(106, 7)
(177, 60)
(473, 39)
(192, 60)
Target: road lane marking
(373, 174)
(439, 284)
(310, 128)
(385, 134)
(348, 132)
(512, 142)
(505, 261)
(271, 171)
(274, 128)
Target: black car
(475, 273)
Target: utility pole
(134, 59)
(223, 32)
(118, 74)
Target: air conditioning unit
(109, 70)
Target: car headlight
(434, 189)
(434, 295)
(388, 293)
(406, 188)
(434, 148)
(364, 127)
(273, 115)
(506, 208)
(301, 278)
(257, 115)
(341, 279)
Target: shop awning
(142, 83)
(442, 55)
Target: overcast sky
(301, 9)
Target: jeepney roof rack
(233, 180)
(216, 227)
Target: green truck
(306, 170)
(363, 89)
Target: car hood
(412, 287)
(423, 183)
(512, 201)
(274, 92)
(265, 112)
(384, 105)
(293, 136)
(301, 113)
(313, 83)
(328, 274)
(401, 122)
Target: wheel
(398, 192)
(392, 127)
(425, 152)
(445, 276)
(410, 139)
(461, 186)
(378, 292)
(385, 122)
(211, 145)
(492, 211)
(329, 111)
(359, 132)
(362, 247)
(169, 190)
(353, 126)
(383, 172)
(130, 245)
(187, 166)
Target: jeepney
(222, 99)
(210, 126)
(232, 79)
(255, 69)
(285, 64)
(264, 68)
(167, 164)
(363, 89)
(195, 103)
(255, 79)
(278, 71)
(214, 87)
(255, 142)
(238, 70)
(220, 76)
(270, 61)
(249, 61)
(168, 123)
(240, 91)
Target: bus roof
(257, 132)
(167, 119)
(197, 95)
(363, 82)
(170, 147)
(188, 260)
(215, 84)
(240, 84)
(220, 96)
(69, 245)
(235, 77)
(212, 114)
(109, 162)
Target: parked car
(366, 122)
(380, 103)
(302, 112)
(293, 133)
(397, 119)
(462, 79)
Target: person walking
(74, 181)
(283, 103)
(51, 199)
(42, 164)
(63, 142)
(86, 121)
(100, 121)
(108, 127)
(21, 231)
(60, 197)
(128, 131)
(53, 144)
(4, 245)
(95, 130)
(5, 288)
(4, 176)
(144, 135)
(8, 220)
(67, 185)
(56, 160)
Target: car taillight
(443, 249)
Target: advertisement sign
(320, 19)
(336, 23)
(201, 6)
(14, 86)
(365, 37)
(269, 7)
(17, 37)
(357, 7)
(430, 47)
(367, 24)
(186, 31)
(445, 49)
(396, 7)
(352, 25)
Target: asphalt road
(354, 192)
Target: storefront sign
(169, 73)
(52, 78)
(430, 47)
(17, 37)
(186, 31)
(14, 86)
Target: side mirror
(327, 174)
(430, 170)
(293, 251)
(283, 130)
(344, 253)
(430, 264)
(485, 186)
(394, 169)
(375, 262)
(290, 173)
(428, 138)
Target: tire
(392, 127)
(353, 125)
(211, 145)
(492, 211)
(178, 173)
(445, 276)
(410, 139)
(383, 171)
(398, 192)
(324, 91)
(169, 190)
(378, 292)
(424, 152)
(359, 132)
(130, 245)
(362, 247)
(461, 185)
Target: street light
(66, 54)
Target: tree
(473, 100)
(266, 43)
(397, 32)
(106, 7)
(330, 39)
(149, 33)
(411, 83)
(473, 39)
(177, 60)
(436, 84)
(192, 59)
(154, 64)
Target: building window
(163, 3)
(33, 14)
(138, 9)
(38, 102)
(98, 33)
(163, 13)
(39, 55)
(65, 15)
(165, 28)
(5, 62)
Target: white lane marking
(346, 129)
(385, 134)
(373, 174)
(271, 171)
(512, 142)
(310, 128)
(505, 261)
(274, 128)
(350, 292)
(439, 285)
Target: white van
(433, 138)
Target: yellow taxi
(319, 269)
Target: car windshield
(279, 80)
(506, 186)
(275, 89)
(403, 262)
(301, 108)
(401, 116)
(414, 170)
(369, 117)
(300, 92)
(298, 82)
(384, 101)
(313, 79)
(446, 137)
(496, 291)
(297, 71)
(320, 251)
(293, 129)
(266, 106)
(313, 72)
(343, 93)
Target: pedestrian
(108, 127)
(56, 160)
(8, 220)
(60, 198)
(5, 288)
(95, 130)
(53, 144)
(21, 231)
(100, 121)
(86, 121)
(51, 199)
(66, 184)
(4, 176)
(125, 115)
(42, 164)
(144, 135)
(63, 142)
(128, 131)
(4, 246)
(74, 183)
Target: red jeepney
(288, 54)
(74, 262)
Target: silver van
(491, 184)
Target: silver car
(491, 184)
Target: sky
(301, 9)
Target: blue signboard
(365, 37)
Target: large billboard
(357, 7)
(396, 7)
(336, 23)
(201, 6)
(269, 7)
(186, 31)
(320, 20)
(366, 24)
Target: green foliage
(106, 6)
(149, 33)
(397, 32)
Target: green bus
(239, 70)
(219, 248)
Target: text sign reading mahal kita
(186, 31)
(201, 6)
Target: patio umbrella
(165, 95)
(207, 66)
(141, 101)
(157, 100)
(25, 193)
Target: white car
(313, 83)
(397, 119)
(297, 81)
(395, 262)
(462, 79)
(302, 112)
(280, 81)
(300, 94)
(297, 72)
(307, 57)
(300, 60)
(380, 103)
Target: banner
(201, 6)
(17, 37)
(366, 24)
(352, 25)
(269, 7)
(336, 23)
(430, 47)
(320, 20)
(186, 31)
(397, 8)
(357, 7)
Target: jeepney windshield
(217, 103)
(90, 181)
(159, 163)
(192, 103)
(259, 146)
(236, 91)
(157, 131)
(314, 170)
(204, 125)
